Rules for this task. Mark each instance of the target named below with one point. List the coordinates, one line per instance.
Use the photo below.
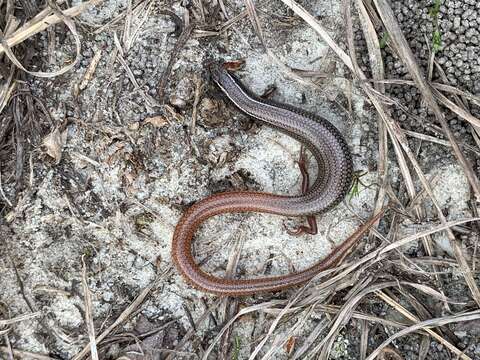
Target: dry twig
(395, 131)
(41, 22)
(407, 57)
(88, 312)
(123, 316)
(424, 325)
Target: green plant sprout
(384, 40)
(436, 36)
(355, 187)
(236, 348)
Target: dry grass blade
(280, 341)
(130, 37)
(465, 114)
(345, 315)
(182, 40)
(7, 89)
(364, 340)
(192, 330)
(454, 91)
(333, 309)
(440, 87)
(232, 21)
(123, 316)
(395, 132)
(415, 319)
(378, 73)
(6, 94)
(230, 305)
(407, 56)
(196, 100)
(3, 195)
(89, 73)
(252, 13)
(40, 25)
(137, 9)
(127, 26)
(374, 51)
(435, 140)
(6, 339)
(242, 312)
(275, 322)
(424, 348)
(19, 318)
(310, 20)
(347, 311)
(373, 44)
(148, 99)
(377, 254)
(345, 274)
(299, 354)
(424, 325)
(288, 71)
(429, 291)
(88, 312)
(42, 22)
(374, 48)
(476, 135)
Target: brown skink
(332, 183)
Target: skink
(332, 183)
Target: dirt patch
(128, 163)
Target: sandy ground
(124, 179)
